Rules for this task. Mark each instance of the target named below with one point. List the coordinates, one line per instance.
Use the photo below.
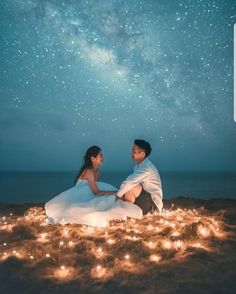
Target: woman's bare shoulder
(88, 172)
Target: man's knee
(136, 190)
(133, 193)
(129, 196)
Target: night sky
(82, 73)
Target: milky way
(79, 73)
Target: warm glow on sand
(124, 246)
(63, 273)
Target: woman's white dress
(80, 205)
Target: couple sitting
(95, 203)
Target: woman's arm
(92, 183)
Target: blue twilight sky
(82, 73)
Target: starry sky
(82, 73)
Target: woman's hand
(120, 198)
(93, 185)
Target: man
(143, 187)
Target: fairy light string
(124, 245)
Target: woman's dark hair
(143, 145)
(87, 162)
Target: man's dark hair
(143, 145)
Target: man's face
(137, 153)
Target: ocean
(35, 187)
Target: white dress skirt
(80, 205)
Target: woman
(90, 201)
(89, 170)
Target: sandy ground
(190, 248)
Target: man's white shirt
(148, 176)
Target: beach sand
(189, 248)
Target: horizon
(124, 171)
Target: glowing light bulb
(70, 243)
(179, 244)
(47, 255)
(196, 244)
(150, 244)
(175, 233)
(155, 258)
(110, 241)
(64, 272)
(203, 231)
(43, 236)
(167, 244)
(98, 271)
(127, 256)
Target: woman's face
(98, 159)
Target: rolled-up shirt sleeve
(134, 179)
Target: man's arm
(132, 180)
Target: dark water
(21, 187)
